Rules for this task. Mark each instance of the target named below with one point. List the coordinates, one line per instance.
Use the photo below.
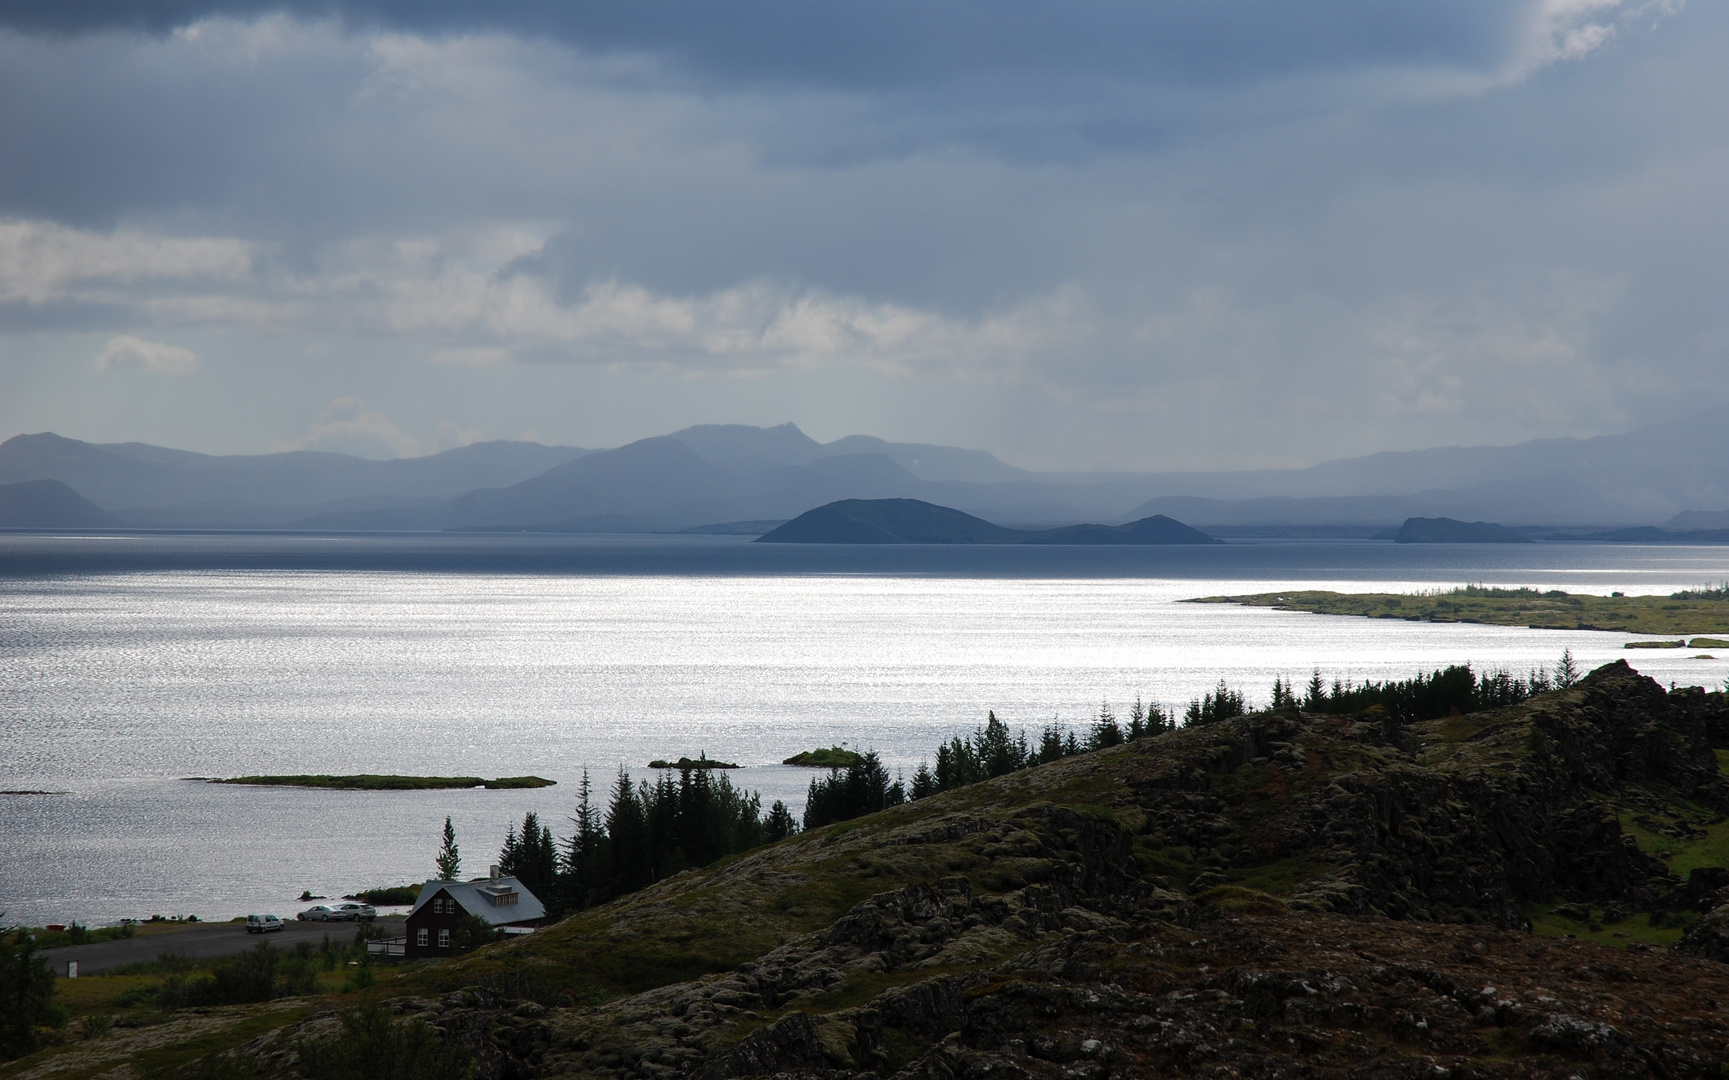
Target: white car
(355, 911)
(262, 924)
(321, 913)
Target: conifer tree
(449, 862)
(780, 823)
(1317, 693)
(1566, 672)
(585, 873)
(1105, 730)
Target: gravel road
(201, 941)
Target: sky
(1082, 234)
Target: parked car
(356, 911)
(321, 913)
(262, 924)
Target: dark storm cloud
(886, 43)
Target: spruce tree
(449, 862)
(780, 823)
(1566, 672)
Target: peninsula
(377, 782)
(1694, 611)
(912, 521)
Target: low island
(1694, 611)
(377, 782)
(833, 757)
(912, 521)
(701, 761)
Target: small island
(1420, 530)
(834, 757)
(387, 896)
(376, 782)
(1693, 611)
(913, 521)
(684, 764)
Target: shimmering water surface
(130, 664)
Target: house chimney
(494, 869)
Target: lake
(129, 664)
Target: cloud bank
(1136, 236)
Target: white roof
(476, 898)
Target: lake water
(129, 664)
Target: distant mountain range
(1674, 475)
(910, 521)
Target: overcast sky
(1189, 233)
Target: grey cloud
(1370, 241)
(879, 43)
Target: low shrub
(375, 1046)
(28, 1011)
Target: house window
(444, 939)
(438, 907)
(420, 937)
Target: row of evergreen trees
(1425, 697)
(645, 832)
(990, 751)
(861, 788)
(648, 831)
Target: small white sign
(71, 969)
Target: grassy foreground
(1272, 895)
(1702, 611)
(376, 782)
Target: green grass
(1635, 929)
(1708, 846)
(1279, 878)
(172, 1059)
(380, 782)
(1690, 613)
(54, 939)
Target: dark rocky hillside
(1281, 895)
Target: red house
(497, 901)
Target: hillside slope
(49, 504)
(1276, 895)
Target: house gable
(497, 901)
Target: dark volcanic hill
(1420, 530)
(888, 521)
(911, 521)
(1157, 529)
(1278, 895)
